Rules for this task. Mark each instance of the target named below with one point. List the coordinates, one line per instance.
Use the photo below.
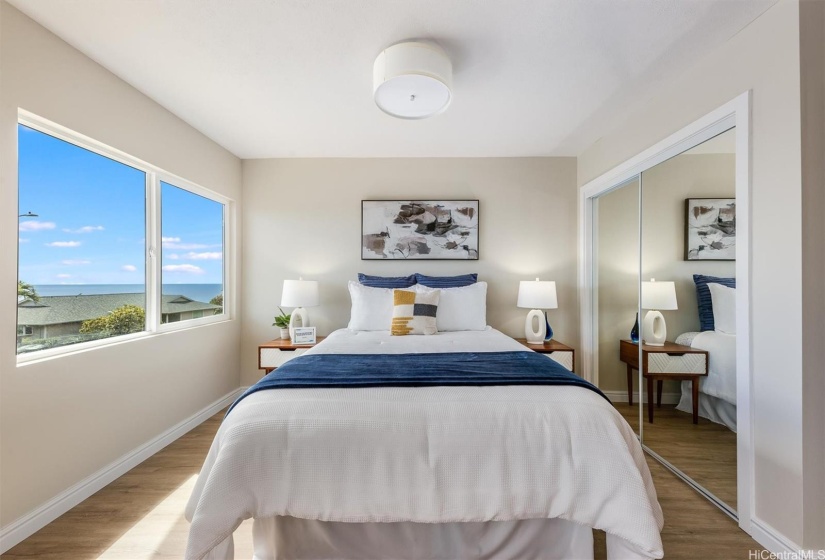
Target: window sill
(39, 356)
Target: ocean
(197, 292)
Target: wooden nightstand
(671, 361)
(555, 350)
(275, 353)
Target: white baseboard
(30, 523)
(772, 539)
(621, 397)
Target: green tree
(217, 300)
(27, 291)
(123, 320)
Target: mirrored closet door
(688, 262)
(662, 308)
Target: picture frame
(303, 335)
(413, 229)
(710, 229)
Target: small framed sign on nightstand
(303, 335)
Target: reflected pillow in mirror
(703, 298)
(724, 308)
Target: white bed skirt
(290, 538)
(710, 407)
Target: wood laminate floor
(706, 451)
(140, 515)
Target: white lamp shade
(300, 293)
(659, 295)
(412, 80)
(538, 294)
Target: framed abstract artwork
(419, 229)
(710, 229)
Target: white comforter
(425, 454)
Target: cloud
(75, 262)
(21, 240)
(64, 275)
(128, 268)
(184, 246)
(213, 256)
(175, 243)
(172, 256)
(186, 268)
(63, 244)
(84, 229)
(34, 225)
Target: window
(109, 246)
(192, 253)
(81, 246)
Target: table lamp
(536, 296)
(299, 294)
(656, 296)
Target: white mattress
(426, 455)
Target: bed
(499, 471)
(717, 402)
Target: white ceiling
(293, 78)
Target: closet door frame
(736, 113)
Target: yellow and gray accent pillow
(414, 312)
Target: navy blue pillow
(386, 281)
(703, 298)
(446, 281)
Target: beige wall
(764, 58)
(63, 419)
(618, 281)
(812, 54)
(302, 217)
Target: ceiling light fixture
(412, 80)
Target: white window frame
(152, 256)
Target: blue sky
(90, 227)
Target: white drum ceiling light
(412, 80)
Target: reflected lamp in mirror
(299, 294)
(537, 296)
(656, 297)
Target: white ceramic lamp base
(535, 317)
(654, 329)
(299, 318)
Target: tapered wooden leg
(650, 400)
(695, 400)
(629, 384)
(659, 384)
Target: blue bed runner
(417, 370)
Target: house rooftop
(54, 310)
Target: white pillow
(371, 308)
(461, 309)
(723, 300)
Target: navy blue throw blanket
(417, 370)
